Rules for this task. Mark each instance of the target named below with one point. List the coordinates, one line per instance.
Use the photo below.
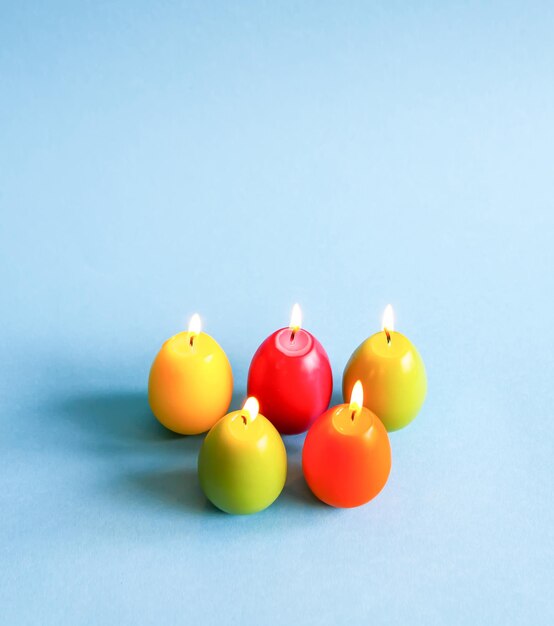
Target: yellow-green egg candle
(242, 465)
(392, 374)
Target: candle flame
(251, 408)
(388, 318)
(356, 397)
(195, 325)
(295, 318)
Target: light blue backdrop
(163, 158)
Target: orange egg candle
(392, 373)
(191, 382)
(346, 457)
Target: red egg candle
(291, 376)
(346, 457)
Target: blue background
(159, 159)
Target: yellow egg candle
(191, 382)
(392, 374)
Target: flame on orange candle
(356, 398)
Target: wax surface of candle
(190, 383)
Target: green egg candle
(242, 465)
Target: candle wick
(293, 332)
(191, 340)
(244, 420)
(353, 415)
(387, 334)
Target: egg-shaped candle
(346, 457)
(291, 376)
(242, 465)
(392, 373)
(191, 382)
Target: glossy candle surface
(190, 386)
(393, 377)
(346, 462)
(291, 376)
(242, 467)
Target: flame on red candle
(295, 320)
